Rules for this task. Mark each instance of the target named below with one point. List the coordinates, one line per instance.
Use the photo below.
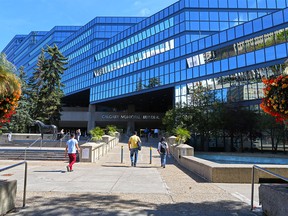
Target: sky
(24, 16)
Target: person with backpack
(163, 150)
(133, 145)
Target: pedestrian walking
(71, 147)
(133, 148)
(163, 150)
(78, 134)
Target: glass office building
(128, 71)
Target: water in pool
(242, 159)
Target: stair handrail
(266, 171)
(30, 146)
(25, 177)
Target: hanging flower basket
(275, 101)
(8, 105)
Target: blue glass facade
(227, 45)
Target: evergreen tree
(50, 92)
(35, 84)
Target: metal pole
(150, 155)
(121, 154)
(25, 184)
(252, 191)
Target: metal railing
(31, 146)
(25, 177)
(266, 171)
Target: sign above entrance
(125, 117)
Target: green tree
(47, 78)
(153, 82)
(35, 84)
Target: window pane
(267, 21)
(250, 58)
(278, 18)
(260, 57)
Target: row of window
(76, 40)
(235, 16)
(136, 38)
(161, 48)
(248, 28)
(236, 87)
(256, 43)
(236, 3)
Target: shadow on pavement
(98, 204)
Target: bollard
(121, 154)
(150, 155)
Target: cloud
(145, 12)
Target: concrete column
(91, 117)
(130, 123)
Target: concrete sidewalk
(110, 187)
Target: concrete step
(31, 154)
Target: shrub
(97, 134)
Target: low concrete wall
(92, 151)
(229, 173)
(8, 191)
(220, 173)
(274, 199)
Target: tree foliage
(10, 90)
(46, 87)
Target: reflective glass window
(250, 58)
(242, 3)
(241, 60)
(281, 3)
(202, 70)
(248, 29)
(194, 15)
(278, 18)
(223, 16)
(208, 42)
(194, 26)
(213, 4)
(267, 21)
(224, 25)
(217, 67)
(209, 68)
(195, 46)
(203, 3)
(286, 15)
(280, 36)
(232, 63)
(232, 3)
(224, 65)
(262, 4)
(231, 34)
(243, 16)
(223, 37)
(215, 39)
(204, 26)
(214, 26)
(204, 16)
(213, 16)
(223, 4)
(252, 3)
(260, 57)
(196, 72)
(239, 31)
(257, 25)
(281, 51)
(271, 4)
(183, 75)
(252, 15)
